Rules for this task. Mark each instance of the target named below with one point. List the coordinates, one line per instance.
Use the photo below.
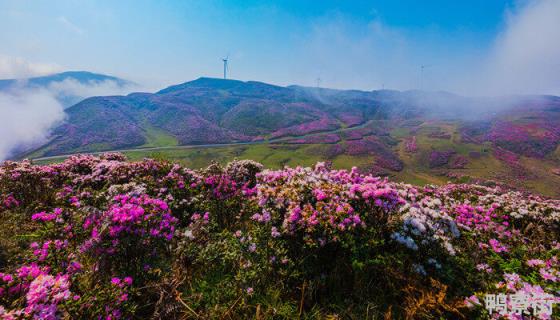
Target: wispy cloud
(355, 56)
(70, 25)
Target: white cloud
(26, 118)
(27, 115)
(17, 67)
(526, 56)
(72, 87)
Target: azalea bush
(101, 237)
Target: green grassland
(484, 167)
(271, 155)
(158, 138)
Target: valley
(469, 162)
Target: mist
(526, 56)
(17, 67)
(28, 114)
(522, 58)
(71, 91)
(26, 118)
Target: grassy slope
(156, 137)
(416, 170)
(272, 156)
(487, 167)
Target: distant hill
(80, 76)
(205, 111)
(413, 134)
(55, 82)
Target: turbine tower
(422, 67)
(225, 60)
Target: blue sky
(348, 44)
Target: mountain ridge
(69, 87)
(387, 132)
(237, 110)
(42, 81)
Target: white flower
(407, 241)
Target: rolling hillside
(421, 137)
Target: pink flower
(548, 275)
(294, 214)
(484, 267)
(472, 301)
(43, 216)
(128, 280)
(319, 194)
(497, 246)
(274, 232)
(535, 262)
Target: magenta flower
(535, 262)
(128, 280)
(497, 246)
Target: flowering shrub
(128, 235)
(534, 140)
(32, 292)
(440, 158)
(410, 145)
(322, 124)
(459, 162)
(100, 237)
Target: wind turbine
(225, 60)
(422, 67)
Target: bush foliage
(100, 237)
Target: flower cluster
(141, 222)
(323, 202)
(41, 291)
(322, 124)
(100, 237)
(410, 145)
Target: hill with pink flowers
(413, 136)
